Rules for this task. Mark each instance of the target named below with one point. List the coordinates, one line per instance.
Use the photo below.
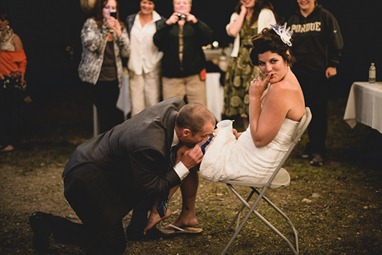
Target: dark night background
(49, 28)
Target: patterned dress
(239, 74)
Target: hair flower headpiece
(284, 33)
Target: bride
(276, 105)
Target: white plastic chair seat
(282, 179)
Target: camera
(181, 16)
(113, 14)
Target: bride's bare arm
(236, 133)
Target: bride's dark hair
(269, 40)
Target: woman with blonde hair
(145, 59)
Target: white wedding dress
(228, 158)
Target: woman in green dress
(250, 18)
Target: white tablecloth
(124, 101)
(215, 95)
(365, 105)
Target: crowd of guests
(165, 59)
(274, 72)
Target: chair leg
(294, 248)
(245, 204)
(237, 230)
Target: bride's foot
(154, 218)
(186, 221)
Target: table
(124, 101)
(214, 54)
(364, 105)
(215, 95)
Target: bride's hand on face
(258, 86)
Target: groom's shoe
(135, 230)
(39, 223)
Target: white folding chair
(279, 178)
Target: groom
(125, 168)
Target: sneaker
(317, 160)
(39, 223)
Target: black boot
(138, 222)
(42, 232)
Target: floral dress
(240, 73)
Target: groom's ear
(186, 132)
(183, 133)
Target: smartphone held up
(113, 14)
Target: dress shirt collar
(175, 140)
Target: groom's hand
(192, 157)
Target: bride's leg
(189, 188)
(154, 217)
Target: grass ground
(337, 208)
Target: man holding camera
(183, 63)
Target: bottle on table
(372, 73)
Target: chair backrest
(304, 123)
(284, 178)
(300, 129)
